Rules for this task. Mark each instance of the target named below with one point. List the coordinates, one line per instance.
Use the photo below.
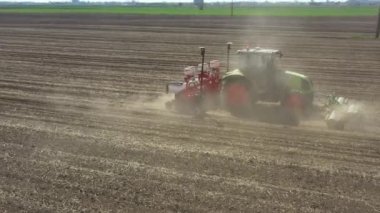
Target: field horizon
(286, 11)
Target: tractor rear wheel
(237, 97)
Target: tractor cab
(263, 67)
(258, 60)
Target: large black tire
(294, 108)
(237, 96)
(309, 107)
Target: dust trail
(369, 120)
(155, 103)
(366, 120)
(134, 102)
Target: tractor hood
(298, 82)
(295, 74)
(235, 72)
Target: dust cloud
(148, 102)
(368, 119)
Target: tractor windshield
(258, 62)
(251, 62)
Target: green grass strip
(187, 10)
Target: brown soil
(83, 125)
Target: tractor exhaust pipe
(228, 55)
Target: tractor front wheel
(294, 107)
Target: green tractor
(260, 78)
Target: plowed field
(83, 125)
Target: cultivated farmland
(83, 125)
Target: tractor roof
(258, 50)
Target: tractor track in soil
(83, 124)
